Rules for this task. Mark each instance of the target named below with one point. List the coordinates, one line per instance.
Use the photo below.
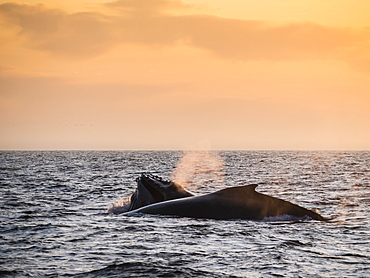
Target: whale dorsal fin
(251, 186)
(245, 189)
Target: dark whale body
(231, 203)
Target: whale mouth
(150, 189)
(154, 185)
(153, 189)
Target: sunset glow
(162, 74)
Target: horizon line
(176, 150)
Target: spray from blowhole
(200, 171)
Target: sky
(181, 75)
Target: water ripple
(53, 222)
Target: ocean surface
(54, 221)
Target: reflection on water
(53, 222)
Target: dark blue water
(54, 221)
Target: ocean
(54, 220)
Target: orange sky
(148, 74)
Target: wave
(286, 218)
(146, 269)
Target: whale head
(153, 189)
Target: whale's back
(231, 203)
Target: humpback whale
(157, 196)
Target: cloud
(88, 34)
(148, 6)
(78, 35)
